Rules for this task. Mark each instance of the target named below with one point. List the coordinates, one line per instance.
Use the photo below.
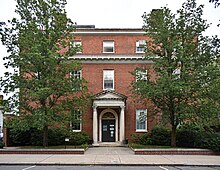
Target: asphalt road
(106, 168)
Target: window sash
(141, 75)
(140, 46)
(108, 46)
(77, 76)
(108, 79)
(77, 45)
(75, 124)
(141, 120)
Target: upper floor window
(141, 75)
(78, 46)
(108, 47)
(76, 76)
(141, 120)
(140, 46)
(108, 79)
(75, 123)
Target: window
(108, 79)
(76, 76)
(78, 46)
(141, 120)
(108, 47)
(75, 124)
(141, 75)
(140, 46)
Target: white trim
(106, 44)
(140, 130)
(113, 80)
(116, 123)
(96, 57)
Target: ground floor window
(141, 120)
(75, 124)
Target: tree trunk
(173, 136)
(45, 136)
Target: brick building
(108, 58)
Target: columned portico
(108, 101)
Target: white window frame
(80, 124)
(140, 44)
(108, 44)
(141, 75)
(76, 74)
(78, 45)
(138, 111)
(104, 73)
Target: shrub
(78, 138)
(160, 136)
(56, 136)
(1, 144)
(208, 140)
(19, 138)
(187, 138)
(142, 139)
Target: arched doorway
(108, 126)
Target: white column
(122, 124)
(95, 126)
(1, 122)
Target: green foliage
(56, 136)
(1, 144)
(160, 136)
(78, 138)
(142, 139)
(39, 44)
(188, 136)
(186, 65)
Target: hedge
(56, 136)
(186, 137)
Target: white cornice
(108, 57)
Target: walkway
(109, 156)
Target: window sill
(76, 130)
(108, 52)
(144, 130)
(108, 89)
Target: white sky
(114, 14)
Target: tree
(180, 54)
(43, 92)
(217, 3)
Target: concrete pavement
(108, 156)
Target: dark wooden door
(108, 130)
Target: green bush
(19, 138)
(78, 138)
(187, 138)
(160, 136)
(208, 140)
(142, 139)
(1, 144)
(56, 136)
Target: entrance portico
(109, 123)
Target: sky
(114, 14)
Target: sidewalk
(108, 156)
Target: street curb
(43, 151)
(174, 152)
(63, 164)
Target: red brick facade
(123, 61)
